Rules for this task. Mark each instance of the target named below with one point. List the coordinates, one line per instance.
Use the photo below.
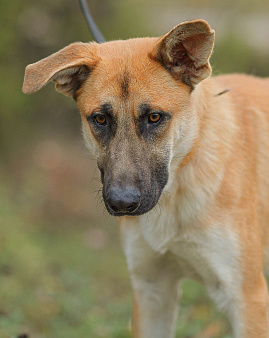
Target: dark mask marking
(125, 85)
(106, 109)
(104, 132)
(150, 130)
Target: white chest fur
(200, 251)
(209, 255)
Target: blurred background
(62, 271)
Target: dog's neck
(198, 176)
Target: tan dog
(161, 132)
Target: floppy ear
(185, 51)
(69, 68)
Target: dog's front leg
(239, 286)
(155, 285)
(251, 315)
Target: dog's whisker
(96, 191)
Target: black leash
(96, 34)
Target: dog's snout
(123, 199)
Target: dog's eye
(100, 119)
(154, 118)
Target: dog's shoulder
(244, 86)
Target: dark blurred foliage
(62, 273)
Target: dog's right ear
(69, 68)
(185, 51)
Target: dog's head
(135, 99)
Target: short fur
(206, 163)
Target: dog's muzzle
(122, 200)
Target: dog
(185, 168)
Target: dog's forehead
(124, 64)
(126, 48)
(126, 77)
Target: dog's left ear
(68, 68)
(185, 51)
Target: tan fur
(213, 225)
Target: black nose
(123, 199)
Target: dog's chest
(209, 255)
